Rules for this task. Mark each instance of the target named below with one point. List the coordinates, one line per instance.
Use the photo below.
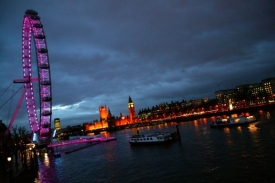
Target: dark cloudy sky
(155, 51)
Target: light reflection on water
(204, 155)
(46, 160)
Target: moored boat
(233, 121)
(155, 138)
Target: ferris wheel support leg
(16, 111)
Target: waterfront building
(111, 119)
(269, 88)
(251, 94)
(103, 114)
(99, 124)
(243, 93)
(224, 96)
(122, 120)
(108, 120)
(256, 94)
(132, 113)
(195, 102)
(168, 110)
(144, 114)
(248, 94)
(57, 124)
(102, 123)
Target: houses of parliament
(107, 119)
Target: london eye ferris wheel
(40, 124)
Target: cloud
(101, 52)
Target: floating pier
(68, 152)
(82, 140)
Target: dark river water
(236, 154)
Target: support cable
(11, 96)
(5, 90)
(10, 107)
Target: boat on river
(233, 121)
(155, 138)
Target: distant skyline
(102, 52)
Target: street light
(30, 153)
(10, 172)
(9, 159)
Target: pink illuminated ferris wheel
(32, 28)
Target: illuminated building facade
(248, 94)
(269, 88)
(132, 113)
(223, 96)
(57, 124)
(121, 120)
(144, 114)
(103, 113)
(226, 98)
(108, 120)
(102, 123)
(256, 94)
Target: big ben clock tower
(132, 112)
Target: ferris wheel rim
(33, 29)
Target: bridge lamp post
(30, 153)
(10, 170)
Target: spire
(130, 100)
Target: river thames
(236, 154)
